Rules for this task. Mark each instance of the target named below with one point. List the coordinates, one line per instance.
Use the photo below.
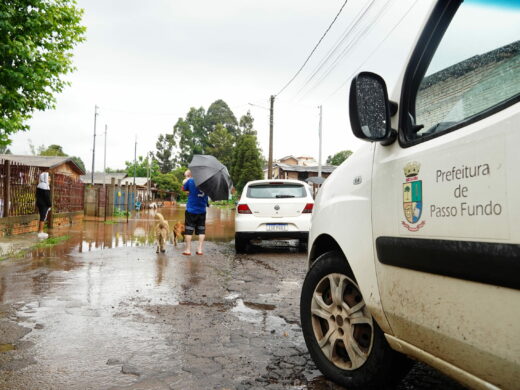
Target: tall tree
(164, 154)
(247, 161)
(339, 157)
(36, 42)
(53, 150)
(57, 150)
(4, 149)
(220, 145)
(219, 112)
(141, 167)
(246, 124)
(184, 138)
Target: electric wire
(337, 45)
(313, 50)
(342, 85)
(350, 46)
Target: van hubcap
(341, 322)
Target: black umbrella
(211, 176)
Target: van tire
(379, 367)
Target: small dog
(178, 230)
(162, 231)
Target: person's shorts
(44, 211)
(194, 223)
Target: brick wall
(29, 223)
(469, 87)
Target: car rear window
(272, 191)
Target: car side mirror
(370, 109)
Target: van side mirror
(369, 109)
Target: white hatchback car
(273, 209)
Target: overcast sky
(146, 63)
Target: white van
(414, 248)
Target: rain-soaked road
(102, 310)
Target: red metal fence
(67, 193)
(18, 188)
(18, 184)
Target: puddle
(7, 347)
(247, 314)
(232, 296)
(259, 306)
(98, 235)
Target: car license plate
(277, 227)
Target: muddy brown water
(102, 310)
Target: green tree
(220, 113)
(167, 183)
(164, 154)
(247, 161)
(57, 150)
(4, 149)
(185, 139)
(52, 150)
(220, 145)
(36, 42)
(117, 170)
(339, 157)
(79, 162)
(246, 124)
(141, 167)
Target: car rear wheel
(343, 339)
(240, 244)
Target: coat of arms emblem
(412, 196)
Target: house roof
(315, 180)
(304, 168)
(42, 161)
(139, 181)
(98, 177)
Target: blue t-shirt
(197, 200)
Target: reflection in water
(139, 231)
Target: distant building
(99, 177)
(54, 164)
(299, 168)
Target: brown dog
(162, 231)
(178, 230)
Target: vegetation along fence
(18, 184)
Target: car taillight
(243, 209)
(308, 208)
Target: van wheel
(240, 244)
(344, 341)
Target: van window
(474, 71)
(271, 191)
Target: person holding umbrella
(195, 215)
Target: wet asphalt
(102, 310)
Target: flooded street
(102, 310)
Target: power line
(313, 50)
(342, 85)
(359, 35)
(349, 47)
(337, 45)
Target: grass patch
(21, 253)
(50, 242)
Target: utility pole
(319, 153)
(94, 147)
(105, 158)
(149, 176)
(135, 157)
(271, 119)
